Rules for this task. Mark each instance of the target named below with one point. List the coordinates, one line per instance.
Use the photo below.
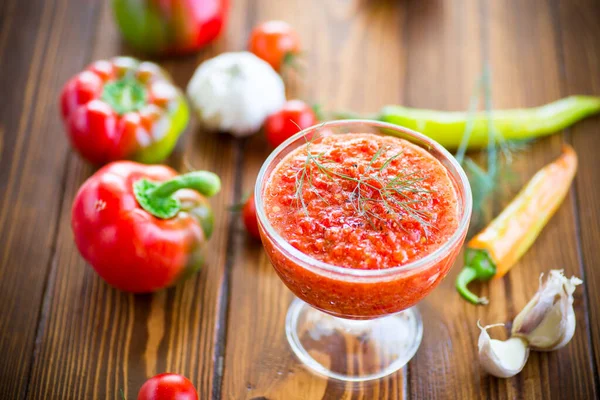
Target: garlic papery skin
(503, 359)
(569, 332)
(548, 321)
(235, 92)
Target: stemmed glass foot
(352, 350)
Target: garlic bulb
(501, 358)
(235, 92)
(548, 321)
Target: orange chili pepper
(493, 252)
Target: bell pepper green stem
(478, 266)
(204, 182)
(157, 199)
(125, 95)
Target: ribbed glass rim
(308, 261)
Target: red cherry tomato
(291, 119)
(249, 217)
(273, 41)
(168, 386)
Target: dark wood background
(64, 334)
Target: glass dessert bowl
(361, 220)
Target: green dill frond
(388, 191)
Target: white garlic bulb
(546, 323)
(235, 92)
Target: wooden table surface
(65, 334)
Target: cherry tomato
(291, 119)
(273, 41)
(168, 386)
(249, 217)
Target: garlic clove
(503, 359)
(548, 321)
(568, 332)
(543, 327)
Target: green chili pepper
(447, 127)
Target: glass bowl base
(352, 350)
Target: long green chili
(448, 127)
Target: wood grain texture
(445, 44)
(65, 334)
(533, 78)
(581, 64)
(355, 37)
(95, 341)
(32, 165)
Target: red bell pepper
(168, 27)
(123, 109)
(143, 227)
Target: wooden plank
(445, 59)
(514, 86)
(522, 32)
(534, 80)
(91, 341)
(355, 61)
(94, 340)
(39, 50)
(579, 32)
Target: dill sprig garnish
(372, 191)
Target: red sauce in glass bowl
(360, 201)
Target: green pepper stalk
(478, 266)
(448, 127)
(157, 199)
